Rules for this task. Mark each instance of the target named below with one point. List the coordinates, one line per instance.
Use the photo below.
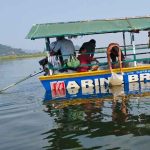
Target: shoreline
(10, 57)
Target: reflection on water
(98, 121)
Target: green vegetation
(22, 56)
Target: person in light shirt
(63, 47)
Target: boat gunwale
(93, 73)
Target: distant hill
(7, 50)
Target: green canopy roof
(88, 27)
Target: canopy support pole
(149, 39)
(124, 43)
(47, 42)
(133, 45)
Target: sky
(18, 16)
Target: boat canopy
(50, 30)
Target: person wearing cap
(90, 47)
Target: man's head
(60, 37)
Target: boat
(60, 85)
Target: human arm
(109, 48)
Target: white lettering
(103, 81)
(87, 86)
(104, 89)
(96, 86)
(73, 91)
(73, 87)
(96, 82)
(145, 76)
(133, 86)
(144, 86)
(133, 78)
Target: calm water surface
(27, 123)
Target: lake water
(27, 123)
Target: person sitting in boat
(90, 47)
(85, 61)
(62, 47)
(44, 63)
(113, 52)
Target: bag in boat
(73, 62)
(95, 65)
(115, 79)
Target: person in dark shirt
(90, 47)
